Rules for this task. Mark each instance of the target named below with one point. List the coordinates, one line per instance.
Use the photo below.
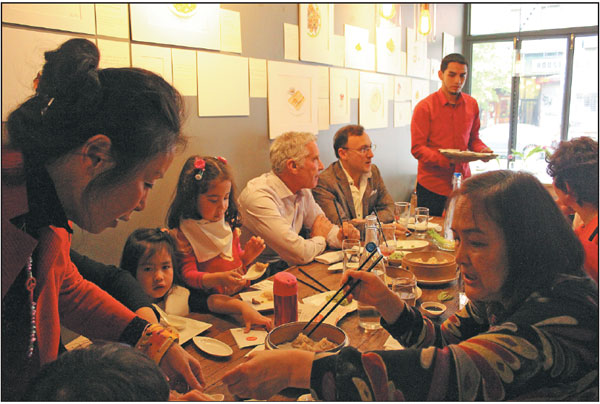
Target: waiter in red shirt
(446, 119)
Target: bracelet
(156, 340)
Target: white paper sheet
(388, 41)
(258, 78)
(223, 88)
(354, 84)
(359, 53)
(403, 63)
(153, 58)
(112, 20)
(389, 91)
(22, 59)
(339, 95)
(73, 17)
(323, 81)
(447, 44)
(252, 338)
(184, 71)
(290, 41)
(323, 113)
(339, 51)
(373, 105)
(402, 88)
(184, 24)
(316, 32)
(434, 68)
(417, 64)
(113, 53)
(402, 113)
(420, 90)
(231, 31)
(293, 91)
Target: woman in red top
(574, 167)
(85, 148)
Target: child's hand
(229, 282)
(252, 249)
(251, 316)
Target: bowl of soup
(326, 338)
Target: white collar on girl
(208, 239)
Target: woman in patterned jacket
(529, 332)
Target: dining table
(213, 368)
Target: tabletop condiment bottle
(285, 298)
(456, 182)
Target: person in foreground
(104, 372)
(529, 331)
(574, 168)
(277, 205)
(86, 148)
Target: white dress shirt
(271, 211)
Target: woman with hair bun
(86, 148)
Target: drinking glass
(351, 250)
(403, 283)
(421, 222)
(402, 213)
(387, 244)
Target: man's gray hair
(290, 145)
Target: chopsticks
(357, 281)
(313, 279)
(380, 227)
(371, 246)
(339, 218)
(311, 286)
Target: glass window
(490, 86)
(500, 18)
(583, 114)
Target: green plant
(533, 149)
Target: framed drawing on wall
(183, 24)
(388, 50)
(316, 32)
(402, 113)
(420, 90)
(372, 103)
(293, 98)
(359, 53)
(340, 83)
(154, 58)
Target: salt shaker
(285, 298)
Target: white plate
(430, 225)
(213, 346)
(265, 305)
(254, 272)
(411, 244)
(466, 154)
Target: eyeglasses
(364, 149)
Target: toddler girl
(204, 219)
(150, 255)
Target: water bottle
(285, 298)
(456, 181)
(368, 316)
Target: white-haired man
(277, 205)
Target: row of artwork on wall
(301, 96)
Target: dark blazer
(333, 188)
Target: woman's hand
(177, 364)
(266, 373)
(252, 249)
(371, 290)
(251, 316)
(228, 282)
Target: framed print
(316, 32)
(372, 103)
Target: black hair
(575, 162)
(540, 243)
(340, 139)
(185, 198)
(136, 109)
(148, 240)
(100, 372)
(452, 58)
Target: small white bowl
(433, 309)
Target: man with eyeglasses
(446, 119)
(353, 184)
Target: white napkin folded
(330, 257)
(243, 340)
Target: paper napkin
(243, 340)
(330, 257)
